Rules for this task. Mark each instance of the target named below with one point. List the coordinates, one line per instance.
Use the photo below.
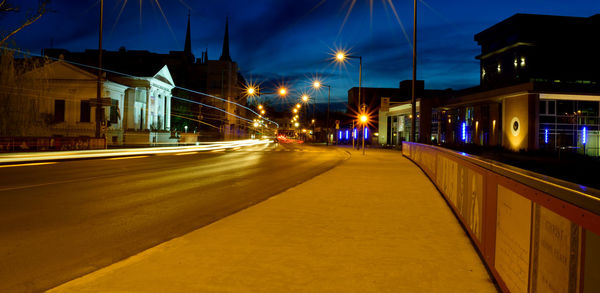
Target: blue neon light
(354, 133)
(347, 133)
(584, 135)
(464, 131)
(340, 135)
(546, 135)
(366, 133)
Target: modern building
(395, 118)
(539, 89)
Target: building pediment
(60, 70)
(164, 75)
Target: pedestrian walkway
(373, 224)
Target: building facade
(134, 110)
(539, 89)
(202, 85)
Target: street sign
(103, 102)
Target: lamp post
(318, 85)
(305, 99)
(341, 56)
(413, 132)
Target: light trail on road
(13, 158)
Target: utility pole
(99, 90)
(413, 132)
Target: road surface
(66, 219)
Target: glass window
(587, 108)
(543, 109)
(551, 107)
(547, 119)
(84, 111)
(114, 111)
(59, 110)
(564, 107)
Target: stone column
(168, 112)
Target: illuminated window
(499, 68)
(522, 61)
(482, 73)
(516, 62)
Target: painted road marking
(185, 154)
(29, 164)
(125, 158)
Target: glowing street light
(363, 118)
(305, 98)
(340, 57)
(252, 91)
(298, 106)
(262, 112)
(295, 110)
(260, 107)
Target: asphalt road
(63, 220)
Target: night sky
(291, 41)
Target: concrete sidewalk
(373, 224)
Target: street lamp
(341, 56)
(363, 120)
(413, 102)
(317, 85)
(254, 91)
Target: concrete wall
(520, 122)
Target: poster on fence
(513, 229)
(555, 252)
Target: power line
(137, 77)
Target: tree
(24, 84)
(7, 7)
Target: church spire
(188, 41)
(225, 54)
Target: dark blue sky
(290, 41)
